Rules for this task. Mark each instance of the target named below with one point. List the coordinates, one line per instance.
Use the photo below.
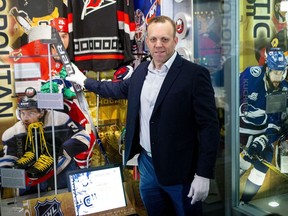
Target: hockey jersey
(68, 135)
(253, 94)
(102, 32)
(36, 52)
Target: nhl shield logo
(48, 207)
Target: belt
(146, 152)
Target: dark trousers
(164, 200)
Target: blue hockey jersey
(254, 118)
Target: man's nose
(158, 43)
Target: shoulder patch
(255, 71)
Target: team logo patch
(48, 207)
(91, 6)
(179, 26)
(253, 96)
(152, 11)
(255, 71)
(30, 92)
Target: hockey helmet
(29, 101)
(276, 60)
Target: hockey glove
(78, 77)
(123, 73)
(258, 145)
(199, 189)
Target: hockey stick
(78, 90)
(54, 38)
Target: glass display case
(262, 48)
(244, 46)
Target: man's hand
(258, 145)
(78, 77)
(199, 189)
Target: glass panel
(213, 51)
(205, 37)
(263, 103)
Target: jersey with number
(102, 32)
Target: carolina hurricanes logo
(92, 5)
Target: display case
(234, 40)
(262, 48)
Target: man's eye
(153, 39)
(164, 40)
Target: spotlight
(273, 204)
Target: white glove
(78, 77)
(199, 189)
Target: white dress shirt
(149, 93)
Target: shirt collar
(167, 64)
(171, 60)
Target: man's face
(29, 116)
(161, 42)
(275, 76)
(65, 40)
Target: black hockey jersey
(102, 32)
